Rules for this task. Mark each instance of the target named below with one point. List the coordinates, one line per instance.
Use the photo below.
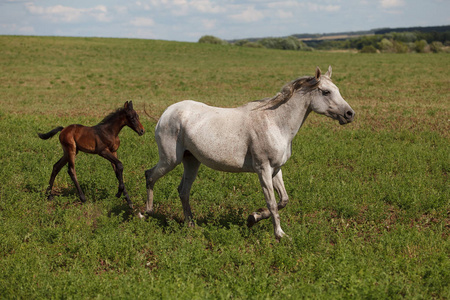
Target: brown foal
(101, 139)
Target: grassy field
(369, 211)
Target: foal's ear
(328, 73)
(318, 73)
(128, 105)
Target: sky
(188, 20)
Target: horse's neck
(291, 115)
(113, 127)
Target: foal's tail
(46, 136)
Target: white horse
(256, 137)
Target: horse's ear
(128, 105)
(318, 73)
(328, 73)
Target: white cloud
(283, 14)
(305, 6)
(248, 16)
(392, 3)
(121, 9)
(66, 14)
(323, 8)
(17, 29)
(183, 7)
(142, 22)
(209, 24)
(205, 6)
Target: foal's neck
(114, 124)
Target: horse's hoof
(251, 221)
(83, 199)
(145, 214)
(50, 197)
(119, 194)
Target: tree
(209, 39)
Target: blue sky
(188, 20)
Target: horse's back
(79, 137)
(216, 136)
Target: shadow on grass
(223, 218)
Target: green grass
(369, 206)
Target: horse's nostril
(349, 114)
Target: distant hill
(413, 29)
(352, 34)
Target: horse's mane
(305, 83)
(111, 116)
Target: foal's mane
(110, 118)
(306, 83)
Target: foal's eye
(325, 93)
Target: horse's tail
(46, 136)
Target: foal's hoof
(119, 193)
(251, 220)
(50, 197)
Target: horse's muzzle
(347, 117)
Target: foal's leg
(119, 175)
(191, 165)
(264, 213)
(71, 153)
(56, 168)
(118, 169)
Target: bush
(400, 47)
(386, 45)
(436, 47)
(252, 45)
(289, 43)
(209, 39)
(421, 46)
(368, 49)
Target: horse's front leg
(267, 184)
(264, 213)
(118, 170)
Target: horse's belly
(221, 155)
(226, 164)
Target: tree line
(394, 42)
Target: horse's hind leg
(71, 152)
(56, 168)
(151, 176)
(264, 213)
(191, 165)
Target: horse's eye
(325, 93)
